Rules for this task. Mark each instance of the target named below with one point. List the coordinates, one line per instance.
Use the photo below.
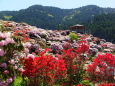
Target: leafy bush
(18, 82)
(86, 83)
(73, 36)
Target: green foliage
(18, 81)
(2, 28)
(50, 15)
(103, 26)
(7, 17)
(18, 45)
(86, 83)
(73, 36)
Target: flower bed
(31, 56)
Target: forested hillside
(104, 26)
(54, 18)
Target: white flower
(12, 61)
(15, 67)
(7, 35)
(21, 69)
(30, 56)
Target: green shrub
(86, 83)
(19, 82)
(73, 36)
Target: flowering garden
(31, 56)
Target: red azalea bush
(68, 67)
(75, 61)
(22, 33)
(102, 68)
(83, 48)
(45, 69)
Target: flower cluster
(83, 48)
(5, 39)
(56, 48)
(22, 33)
(102, 68)
(6, 74)
(44, 66)
(74, 60)
(7, 82)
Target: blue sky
(67, 4)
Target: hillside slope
(55, 18)
(104, 26)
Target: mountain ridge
(52, 17)
(49, 17)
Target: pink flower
(9, 80)
(2, 35)
(5, 35)
(9, 40)
(1, 52)
(3, 42)
(6, 72)
(26, 50)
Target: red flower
(44, 66)
(102, 67)
(107, 84)
(79, 85)
(22, 33)
(82, 48)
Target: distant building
(78, 28)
